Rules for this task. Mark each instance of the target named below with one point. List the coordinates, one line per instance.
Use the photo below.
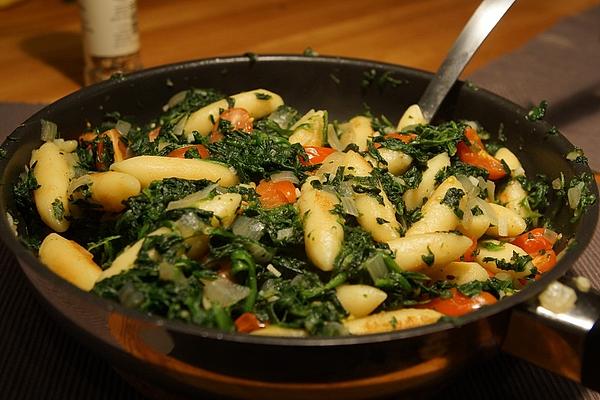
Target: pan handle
(565, 343)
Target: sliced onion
(502, 227)
(284, 234)
(349, 206)
(550, 236)
(486, 210)
(123, 127)
(259, 252)
(333, 139)
(192, 199)
(491, 190)
(224, 292)
(557, 184)
(285, 176)
(467, 213)
(467, 184)
(175, 99)
(473, 124)
(248, 227)
(169, 272)
(77, 183)
(189, 224)
(49, 131)
(574, 195)
(376, 267)
(178, 128)
(273, 270)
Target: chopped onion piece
(189, 224)
(333, 139)
(192, 199)
(491, 190)
(77, 183)
(175, 99)
(376, 267)
(550, 236)
(123, 127)
(502, 227)
(285, 233)
(248, 227)
(259, 252)
(178, 128)
(349, 206)
(467, 213)
(472, 124)
(582, 283)
(503, 276)
(224, 292)
(49, 131)
(285, 176)
(557, 184)
(486, 210)
(558, 298)
(574, 195)
(273, 270)
(470, 189)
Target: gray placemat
(38, 360)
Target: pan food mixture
(243, 214)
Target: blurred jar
(110, 38)
(6, 3)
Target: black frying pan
(183, 359)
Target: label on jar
(109, 27)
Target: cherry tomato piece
(459, 304)
(474, 153)
(180, 152)
(247, 322)
(275, 194)
(316, 155)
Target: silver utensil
(481, 23)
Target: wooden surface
(40, 46)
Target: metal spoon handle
(474, 33)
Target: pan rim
(24, 255)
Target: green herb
(145, 212)
(3, 153)
(516, 263)
(452, 200)
(537, 112)
(255, 156)
(309, 52)
(357, 248)
(252, 57)
(476, 211)
(383, 80)
(491, 246)
(460, 168)
(58, 209)
(538, 196)
(428, 258)
(430, 140)
(576, 155)
(263, 96)
(553, 131)
(471, 289)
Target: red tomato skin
(275, 194)
(459, 304)
(180, 152)
(533, 241)
(316, 154)
(473, 152)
